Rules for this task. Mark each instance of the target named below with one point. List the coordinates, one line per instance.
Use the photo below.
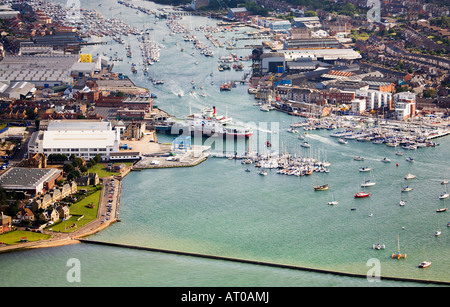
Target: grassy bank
(80, 214)
(14, 237)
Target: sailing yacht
(322, 187)
(445, 194)
(407, 189)
(368, 183)
(410, 176)
(333, 201)
(398, 255)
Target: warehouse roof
(26, 178)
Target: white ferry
(208, 123)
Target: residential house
(24, 215)
(49, 215)
(63, 212)
(88, 179)
(5, 223)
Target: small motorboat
(247, 170)
(409, 159)
(424, 264)
(358, 158)
(263, 173)
(385, 160)
(378, 246)
(306, 145)
(343, 141)
(365, 169)
(402, 203)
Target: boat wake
(323, 139)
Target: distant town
(72, 128)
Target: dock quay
(179, 158)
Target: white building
(374, 99)
(83, 138)
(319, 34)
(322, 54)
(280, 25)
(358, 105)
(404, 105)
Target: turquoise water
(216, 208)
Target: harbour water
(217, 208)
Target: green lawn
(100, 169)
(13, 237)
(78, 210)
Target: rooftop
(26, 178)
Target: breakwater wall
(255, 262)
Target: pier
(261, 263)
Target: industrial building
(46, 70)
(83, 138)
(17, 90)
(33, 181)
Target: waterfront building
(273, 62)
(405, 105)
(134, 130)
(238, 13)
(196, 4)
(358, 106)
(336, 96)
(279, 26)
(375, 99)
(83, 138)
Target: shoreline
(96, 225)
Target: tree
(429, 93)
(68, 168)
(97, 158)
(310, 14)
